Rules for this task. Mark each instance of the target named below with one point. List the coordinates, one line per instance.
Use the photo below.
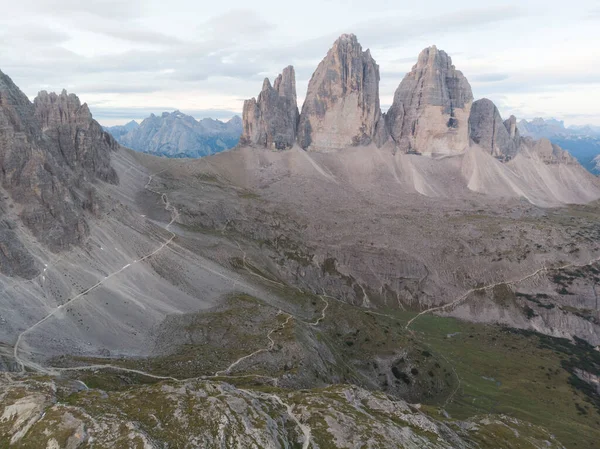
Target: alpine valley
(342, 278)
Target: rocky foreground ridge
(199, 413)
(432, 113)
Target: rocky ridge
(432, 112)
(193, 413)
(51, 154)
(583, 142)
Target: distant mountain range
(176, 134)
(583, 142)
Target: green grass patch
(530, 373)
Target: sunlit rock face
(341, 108)
(431, 107)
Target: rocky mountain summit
(341, 108)
(120, 130)
(51, 154)
(431, 107)
(176, 134)
(272, 120)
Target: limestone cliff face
(342, 102)
(51, 152)
(271, 120)
(500, 139)
(431, 107)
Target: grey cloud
(535, 82)
(105, 8)
(38, 35)
(103, 113)
(241, 22)
(489, 77)
(593, 14)
(385, 33)
(134, 34)
(388, 32)
(116, 89)
(408, 60)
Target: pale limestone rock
(431, 107)
(272, 120)
(341, 108)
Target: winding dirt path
(306, 430)
(496, 284)
(174, 215)
(322, 317)
(269, 348)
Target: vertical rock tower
(500, 139)
(431, 107)
(341, 108)
(272, 120)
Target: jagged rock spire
(500, 139)
(342, 102)
(272, 120)
(431, 106)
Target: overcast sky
(127, 58)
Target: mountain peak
(266, 84)
(415, 120)
(271, 120)
(434, 58)
(341, 108)
(346, 38)
(285, 83)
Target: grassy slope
(514, 373)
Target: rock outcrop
(271, 120)
(341, 108)
(85, 147)
(500, 139)
(51, 153)
(431, 107)
(176, 134)
(254, 419)
(545, 150)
